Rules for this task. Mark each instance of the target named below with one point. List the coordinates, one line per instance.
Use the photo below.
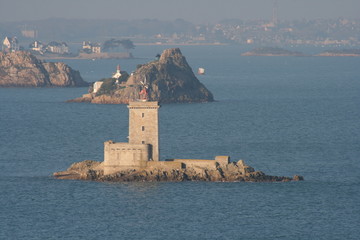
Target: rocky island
(271, 51)
(139, 159)
(22, 69)
(231, 172)
(169, 79)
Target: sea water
(281, 115)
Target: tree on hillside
(114, 43)
(127, 44)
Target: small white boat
(201, 71)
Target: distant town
(53, 36)
(61, 49)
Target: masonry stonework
(142, 150)
(143, 145)
(144, 125)
(120, 156)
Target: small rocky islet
(23, 69)
(231, 172)
(170, 79)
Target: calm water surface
(282, 115)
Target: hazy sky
(198, 11)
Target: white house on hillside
(10, 44)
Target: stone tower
(144, 125)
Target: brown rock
(22, 69)
(298, 178)
(170, 80)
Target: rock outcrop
(22, 69)
(232, 172)
(170, 80)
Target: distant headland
(23, 69)
(169, 79)
(340, 53)
(271, 51)
(275, 51)
(139, 158)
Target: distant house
(57, 47)
(37, 46)
(10, 44)
(96, 48)
(89, 47)
(86, 46)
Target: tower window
(142, 114)
(142, 128)
(143, 142)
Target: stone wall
(120, 156)
(222, 160)
(197, 163)
(166, 165)
(203, 163)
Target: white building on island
(97, 86)
(117, 75)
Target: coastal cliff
(22, 69)
(231, 172)
(170, 79)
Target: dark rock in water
(298, 178)
(170, 80)
(232, 172)
(22, 69)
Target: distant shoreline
(84, 56)
(182, 44)
(340, 53)
(272, 52)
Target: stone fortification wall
(119, 156)
(166, 165)
(197, 163)
(222, 160)
(203, 163)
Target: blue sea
(281, 115)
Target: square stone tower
(144, 125)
